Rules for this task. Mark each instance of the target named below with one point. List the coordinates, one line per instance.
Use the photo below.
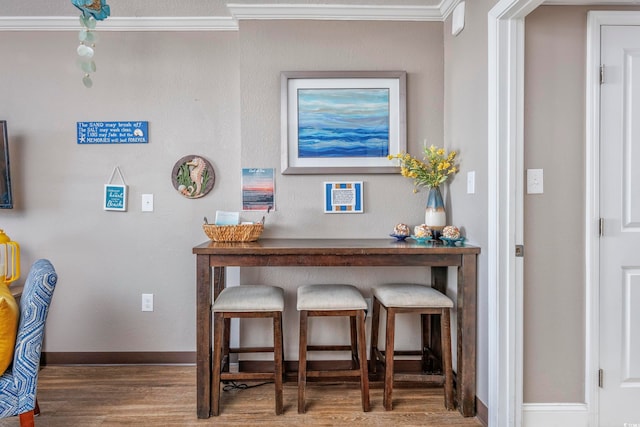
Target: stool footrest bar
(331, 374)
(422, 378)
(328, 348)
(251, 350)
(225, 376)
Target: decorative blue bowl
(452, 242)
(421, 240)
(399, 237)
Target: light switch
(147, 302)
(535, 181)
(147, 203)
(471, 182)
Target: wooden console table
(212, 258)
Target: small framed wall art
(343, 197)
(258, 189)
(115, 195)
(193, 176)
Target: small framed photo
(258, 189)
(115, 197)
(343, 197)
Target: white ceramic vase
(434, 215)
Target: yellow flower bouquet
(434, 169)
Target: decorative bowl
(421, 240)
(399, 237)
(452, 242)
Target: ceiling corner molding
(446, 7)
(66, 23)
(334, 12)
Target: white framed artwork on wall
(342, 122)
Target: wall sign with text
(343, 197)
(115, 195)
(113, 132)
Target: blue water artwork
(343, 123)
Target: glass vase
(434, 215)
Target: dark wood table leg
(466, 306)
(203, 336)
(219, 280)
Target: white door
(620, 243)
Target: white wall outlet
(147, 302)
(535, 181)
(147, 203)
(471, 182)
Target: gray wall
(554, 141)
(554, 290)
(107, 259)
(465, 121)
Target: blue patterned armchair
(18, 384)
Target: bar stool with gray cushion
(420, 299)
(248, 301)
(333, 300)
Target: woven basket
(233, 233)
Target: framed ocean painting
(342, 122)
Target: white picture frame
(336, 122)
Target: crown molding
(446, 7)
(241, 12)
(336, 12)
(65, 23)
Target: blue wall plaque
(115, 197)
(113, 132)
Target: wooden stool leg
(364, 374)
(217, 361)
(277, 359)
(353, 326)
(226, 345)
(447, 358)
(425, 324)
(388, 359)
(302, 361)
(375, 325)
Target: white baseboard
(555, 415)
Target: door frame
(505, 211)
(505, 205)
(596, 19)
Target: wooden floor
(165, 396)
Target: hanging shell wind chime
(92, 11)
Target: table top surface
(332, 247)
